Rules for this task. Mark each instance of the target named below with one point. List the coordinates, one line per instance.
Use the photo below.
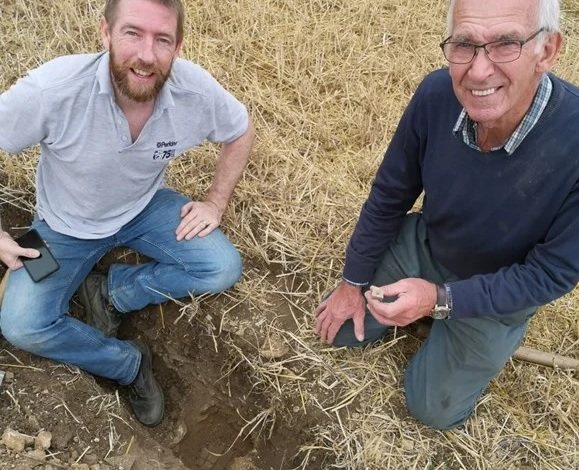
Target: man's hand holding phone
(11, 252)
(29, 251)
(43, 265)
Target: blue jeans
(460, 356)
(34, 316)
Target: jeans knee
(434, 411)
(19, 333)
(373, 332)
(346, 337)
(229, 273)
(222, 273)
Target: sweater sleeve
(396, 187)
(550, 270)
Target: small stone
(180, 432)
(61, 441)
(13, 440)
(90, 459)
(37, 454)
(274, 347)
(242, 463)
(73, 455)
(79, 466)
(9, 377)
(376, 293)
(124, 461)
(43, 440)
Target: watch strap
(442, 308)
(441, 296)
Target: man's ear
(105, 32)
(178, 48)
(549, 52)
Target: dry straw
(326, 82)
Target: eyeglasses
(499, 52)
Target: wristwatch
(442, 308)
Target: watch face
(440, 313)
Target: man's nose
(481, 66)
(147, 51)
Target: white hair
(547, 18)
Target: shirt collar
(465, 127)
(103, 77)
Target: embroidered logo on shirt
(165, 153)
(162, 144)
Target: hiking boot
(145, 393)
(100, 313)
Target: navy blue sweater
(507, 226)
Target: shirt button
(123, 138)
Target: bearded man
(108, 125)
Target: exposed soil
(211, 404)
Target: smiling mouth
(142, 73)
(487, 92)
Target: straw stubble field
(325, 82)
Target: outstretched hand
(10, 252)
(198, 218)
(415, 299)
(344, 303)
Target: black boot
(100, 313)
(145, 394)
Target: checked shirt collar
(466, 127)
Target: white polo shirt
(91, 178)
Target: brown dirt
(209, 393)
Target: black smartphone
(45, 264)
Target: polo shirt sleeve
(229, 117)
(21, 116)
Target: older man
(493, 143)
(108, 125)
